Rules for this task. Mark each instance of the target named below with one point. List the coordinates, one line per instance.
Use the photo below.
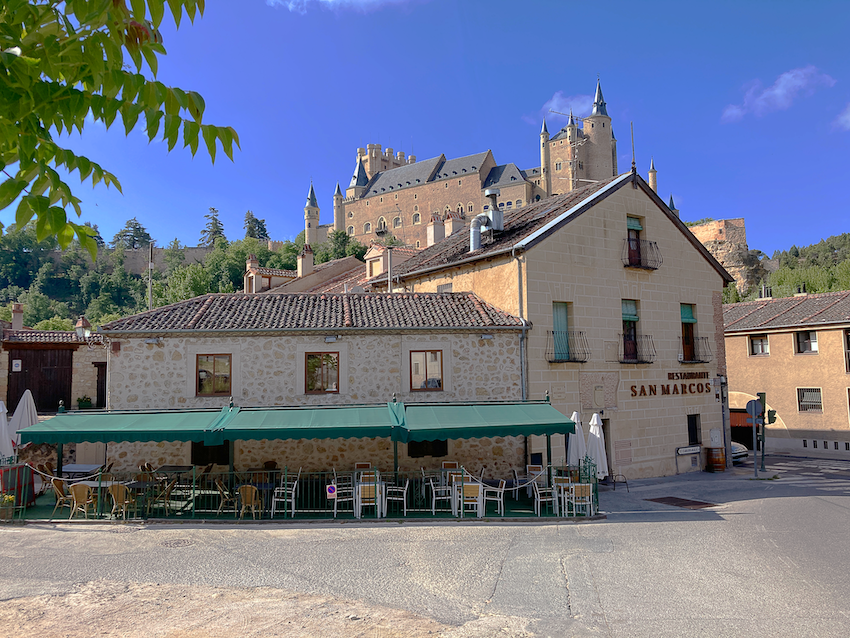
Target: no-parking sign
(331, 490)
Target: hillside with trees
(57, 286)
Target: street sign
(331, 490)
(754, 407)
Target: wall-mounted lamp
(330, 339)
(486, 337)
(154, 341)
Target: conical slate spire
(572, 121)
(337, 191)
(598, 102)
(652, 165)
(670, 204)
(311, 198)
(359, 178)
(544, 129)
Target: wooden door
(45, 372)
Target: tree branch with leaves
(62, 61)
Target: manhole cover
(177, 542)
(681, 502)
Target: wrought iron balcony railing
(639, 253)
(639, 349)
(697, 352)
(568, 345)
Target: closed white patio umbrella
(596, 447)
(7, 439)
(577, 448)
(25, 415)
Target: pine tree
(133, 235)
(254, 227)
(213, 230)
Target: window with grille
(809, 400)
(694, 430)
(444, 288)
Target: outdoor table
(174, 469)
(79, 469)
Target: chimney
(475, 231)
(454, 223)
(17, 316)
(252, 262)
(495, 214)
(436, 230)
(305, 261)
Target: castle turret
(653, 175)
(358, 180)
(672, 206)
(546, 173)
(599, 159)
(311, 218)
(339, 210)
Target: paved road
(771, 558)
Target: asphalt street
(770, 557)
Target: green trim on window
(633, 223)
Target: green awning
(633, 223)
(425, 422)
(400, 422)
(310, 423)
(113, 427)
(687, 312)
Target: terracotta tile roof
(524, 227)
(518, 222)
(46, 337)
(354, 277)
(788, 312)
(236, 311)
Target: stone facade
(644, 407)
(270, 370)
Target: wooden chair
(82, 500)
(365, 465)
(450, 465)
(226, 496)
(561, 485)
(367, 496)
(581, 497)
(472, 497)
(164, 497)
(496, 495)
(122, 499)
(63, 499)
(250, 497)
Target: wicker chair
(63, 499)
(250, 497)
(82, 500)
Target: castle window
(415, 195)
(510, 204)
(367, 202)
(396, 195)
(367, 228)
(351, 215)
(397, 222)
(447, 184)
(469, 207)
(417, 243)
(382, 224)
(382, 199)
(557, 166)
(458, 182)
(486, 207)
(501, 204)
(416, 218)
(518, 203)
(351, 230)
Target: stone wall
(498, 456)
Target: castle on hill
(422, 201)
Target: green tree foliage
(338, 245)
(133, 235)
(214, 229)
(699, 222)
(730, 294)
(62, 62)
(174, 256)
(22, 255)
(55, 323)
(255, 228)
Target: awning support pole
(549, 458)
(58, 459)
(395, 457)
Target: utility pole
(150, 278)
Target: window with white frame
(426, 370)
(759, 345)
(806, 342)
(213, 374)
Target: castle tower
(339, 210)
(358, 180)
(653, 175)
(545, 167)
(672, 206)
(311, 218)
(598, 160)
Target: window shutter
(687, 313)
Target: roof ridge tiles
(200, 313)
(476, 303)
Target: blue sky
(745, 106)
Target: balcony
(638, 349)
(697, 352)
(639, 253)
(567, 346)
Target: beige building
(316, 350)
(623, 309)
(402, 195)
(797, 351)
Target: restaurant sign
(688, 384)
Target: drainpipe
(523, 335)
